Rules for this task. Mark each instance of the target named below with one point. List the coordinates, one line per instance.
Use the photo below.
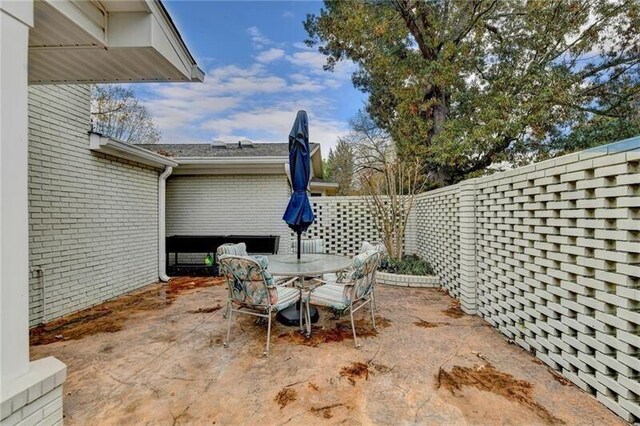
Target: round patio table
(309, 265)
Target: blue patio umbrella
(299, 215)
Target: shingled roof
(205, 150)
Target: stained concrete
(168, 366)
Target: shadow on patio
(156, 357)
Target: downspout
(162, 256)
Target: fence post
(467, 267)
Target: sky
(259, 73)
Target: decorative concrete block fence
(549, 254)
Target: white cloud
(288, 14)
(270, 55)
(309, 59)
(259, 40)
(273, 125)
(314, 61)
(254, 101)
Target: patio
(156, 357)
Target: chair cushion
(263, 261)
(239, 249)
(253, 289)
(287, 296)
(367, 246)
(314, 246)
(330, 295)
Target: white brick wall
(93, 219)
(225, 205)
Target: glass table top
(308, 265)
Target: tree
(464, 84)
(389, 191)
(340, 166)
(372, 146)
(117, 113)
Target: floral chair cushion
(247, 282)
(240, 249)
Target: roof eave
(126, 151)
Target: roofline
(325, 184)
(197, 74)
(231, 160)
(127, 151)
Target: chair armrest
(285, 281)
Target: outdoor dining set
(290, 286)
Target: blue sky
(258, 74)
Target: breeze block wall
(93, 219)
(549, 254)
(437, 237)
(228, 205)
(558, 266)
(343, 223)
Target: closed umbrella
(299, 215)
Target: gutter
(127, 151)
(162, 255)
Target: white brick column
(15, 20)
(30, 393)
(467, 242)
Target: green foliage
(339, 167)
(327, 173)
(464, 84)
(408, 265)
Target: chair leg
(303, 316)
(226, 309)
(353, 327)
(308, 318)
(230, 314)
(266, 351)
(373, 296)
(301, 311)
(372, 307)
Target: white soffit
(100, 42)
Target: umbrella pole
(299, 239)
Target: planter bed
(398, 280)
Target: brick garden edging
(399, 280)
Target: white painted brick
(93, 219)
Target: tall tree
(117, 113)
(340, 164)
(465, 84)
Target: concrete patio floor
(161, 361)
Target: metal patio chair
(252, 291)
(380, 248)
(240, 249)
(351, 294)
